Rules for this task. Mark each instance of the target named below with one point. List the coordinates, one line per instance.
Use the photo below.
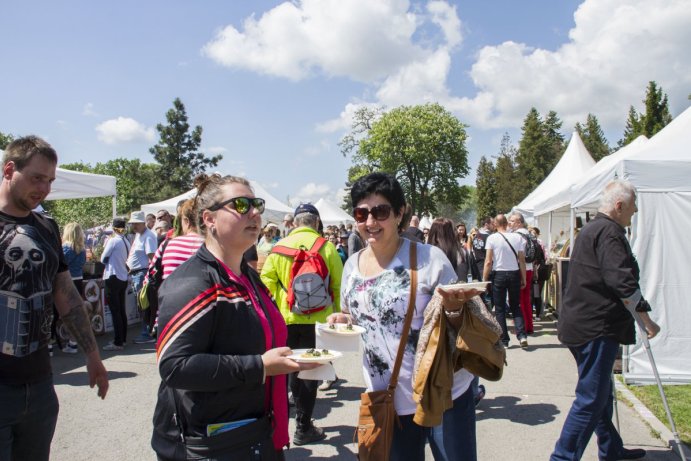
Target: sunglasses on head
(379, 212)
(241, 204)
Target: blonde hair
(73, 237)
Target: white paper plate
(341, 330)
(297, 356)
(468, 286)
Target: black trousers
(116, 290)
(304, 391)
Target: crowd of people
(230, 299)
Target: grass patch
(679, 400)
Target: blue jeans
(452, 440)
(508, 282)
(27, 420)
(594, 404)
(137, 283)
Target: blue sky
(274, 84)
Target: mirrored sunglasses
(241, 204)
(379, 212)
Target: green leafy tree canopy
(424, 147)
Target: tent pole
(114, 207)
(572, 219)
(549, 234)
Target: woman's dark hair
(382, 184)
(442, 234)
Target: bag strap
(318, 244)
(511, 246)
(393, 382)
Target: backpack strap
(284, 251)
(318, 244)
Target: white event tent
(660, 169)
(274, 212)
(547, 206)
(331, 214)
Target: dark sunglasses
(379, 212)
(241, 204)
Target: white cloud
(89, 110)
(613, 51)
(123, 130)
(444, 15)
(310, 192)
(360, 39)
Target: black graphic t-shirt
(30, 258)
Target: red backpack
(309, 289)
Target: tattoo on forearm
(79, 327)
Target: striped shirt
(179, 250)
(176, 252)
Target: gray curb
(664, 433)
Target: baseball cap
(306, 208)
(119, 223)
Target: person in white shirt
(143, 249)
(517, 224)
(505, 268)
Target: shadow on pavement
(507, 407)
(80, 378)
(343, 437)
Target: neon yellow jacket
(277, 267)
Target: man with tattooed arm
(33, 277)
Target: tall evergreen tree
(508, 181)
(485, 184)
(178, 151)
(655, 117)
(593, 137)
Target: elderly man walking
(602, 291)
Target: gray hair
(520, 217)
(307, 220)
(615, 191)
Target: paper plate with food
(343, 329)
(314, 355)
(482, 286)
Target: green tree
(486, 188)
(655, 117)
(593, 138)
(424, 147)
(178, 151)
(539, 150)
(508, 182)
(133, 189)
(5, 139)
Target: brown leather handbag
(377, 413)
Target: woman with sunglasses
(221, 347)
(375, 290)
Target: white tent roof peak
(554, 191)
(332, 214)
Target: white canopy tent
(660, 170)
(274, 212)
(547, 206)
(70, 184)
(331, 214)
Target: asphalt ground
(519, 419)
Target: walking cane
(646, 346)
(616, 408)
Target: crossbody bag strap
(511, 246)
(408, 317)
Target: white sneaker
(70, 348)
(112, 347)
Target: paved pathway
(519, 419)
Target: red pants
(527, 302)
